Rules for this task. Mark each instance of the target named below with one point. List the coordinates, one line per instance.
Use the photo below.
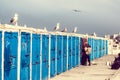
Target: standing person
(86, 50)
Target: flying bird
(57, 27)
(75, 10)
(14, 20)
(75, 30)
(64, 30)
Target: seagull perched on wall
(94, 34)
(64, 30)
(75, 30)
(45, 29)
(14, 20)
(57, 27)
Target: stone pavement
(97, 71)
(116, 76)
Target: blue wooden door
(77, 51)
(25, 56)
(64, 53)
(92, 46)
(0, 55)
(45, 49)
(98, 48)
(69, 52)
(80, 50)
(53, 56)
(73, 51)
(10, 55)
(35, 57)
(59, 55)
(106, 46)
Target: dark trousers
(85, 58)
(88, 58)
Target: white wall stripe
(49, 57)
(41, 57)
(56, 55)
(79, 51)
(67, 53)
(19, 55)
(31, 56)
(3, 55)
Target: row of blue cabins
(35, 54)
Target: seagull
(75, 10)
(45, 29)
(14, 20)
(75, 30)
(57, 27)
(25, 25)
(94, 34)
(64, 30)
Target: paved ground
(97, 71)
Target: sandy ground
(97, 71)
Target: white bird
(57, 27)
(25, 25)
(75, 30)
(64, 30)
(94, 34)
(14, 20)
(45, 29)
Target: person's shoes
(89, 64)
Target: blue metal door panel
(77, 51)
(53, 56)
(10, 55)
(80, 50)
(98, 48)
(93, 49)
(45, 49)
(25, 56)
(64, 53)
(0, 55)
(101, 48)
(59, 55)
(73, 51)
(91, 56)
(35, 57)
(106, 46)
(69, 52)
(92, 53)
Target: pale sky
(99, 16)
